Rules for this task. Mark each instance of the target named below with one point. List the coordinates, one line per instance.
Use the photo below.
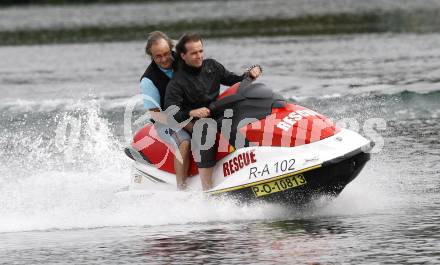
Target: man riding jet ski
(268, 150)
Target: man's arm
(174, 97)
(150, 94)
(227, 78)
(151, 98)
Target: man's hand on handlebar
(255, 71)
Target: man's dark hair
(154, 37)
(187, 37)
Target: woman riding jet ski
(268, 149)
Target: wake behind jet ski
(268, 150)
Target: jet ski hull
(298, 188)
(283, 175)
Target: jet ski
(273, 151)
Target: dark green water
(125, 22)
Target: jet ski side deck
(321, 168)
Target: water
(61, 160)
(49, 17)
(131, 21)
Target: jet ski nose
(368, 147)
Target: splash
(56, 167)
(62, 170)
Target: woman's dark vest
(159, 79)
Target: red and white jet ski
(287, 154)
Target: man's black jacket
(192, 88)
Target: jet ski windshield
(253, 100)
(256, 91)
(250, 102)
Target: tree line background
(68, 2)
